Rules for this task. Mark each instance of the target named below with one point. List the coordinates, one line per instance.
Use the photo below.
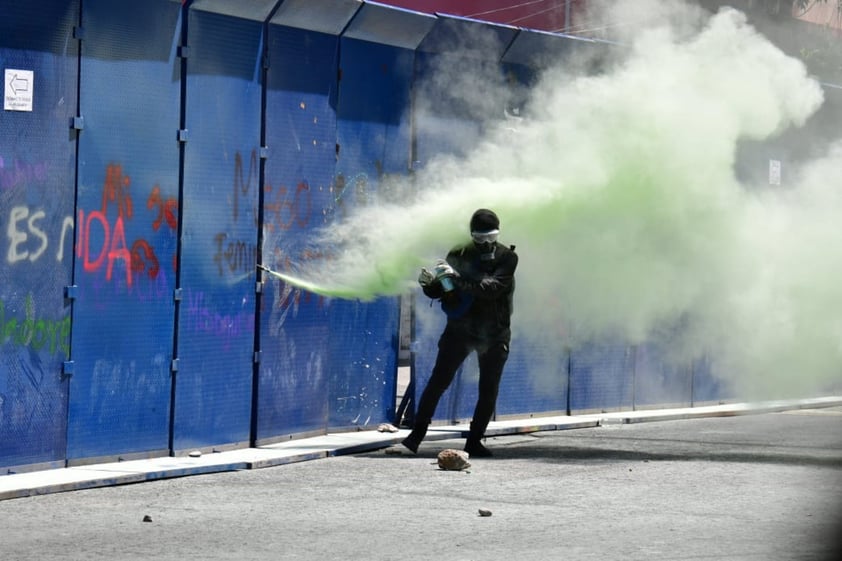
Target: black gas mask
(484, 229)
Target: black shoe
(411, 443)
(477, 450)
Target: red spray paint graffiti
(116, 190)
(101, 243)
(113, 244)
(285, 213)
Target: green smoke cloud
(620, 193)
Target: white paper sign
(17, 90)
(774, 172)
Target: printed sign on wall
(774, 172)
(17, 90)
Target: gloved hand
(488, 283)
(426, 278)
(445, 274)
(443, 270)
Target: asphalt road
(759, 487)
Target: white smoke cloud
(620, 192)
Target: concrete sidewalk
(74, 478)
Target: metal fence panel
(332, 139)
(602, 376)
(536, 376)
(707, 387)
(219, 236)
(443, 126)
(373, 138)
(660, 380)
(38, 58)
(448, 123)
(122, 340)
(297, 198)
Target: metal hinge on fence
(184, 51)
(182, 135)
(264, 152)
(67, 369)
(177, 294)
(257, 356)
(79, 33)
(258, 287)
(70, 292)
(174, 365)
(77, 123)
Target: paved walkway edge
(75, 478)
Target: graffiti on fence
(154, 290)
(287, 211)
(361, 189)
(115, 190)
(341, 193)
(200, 316)
(30, 330)
(289, 296)
(242, 184)
(21, 174)
(232, 255)
(27, 239)
(101, 242)
(113, 245)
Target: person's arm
(491, 285)
(433, 290)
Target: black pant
(454, 348)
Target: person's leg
(453, 349)
(491, 363)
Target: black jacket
(481, 304)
